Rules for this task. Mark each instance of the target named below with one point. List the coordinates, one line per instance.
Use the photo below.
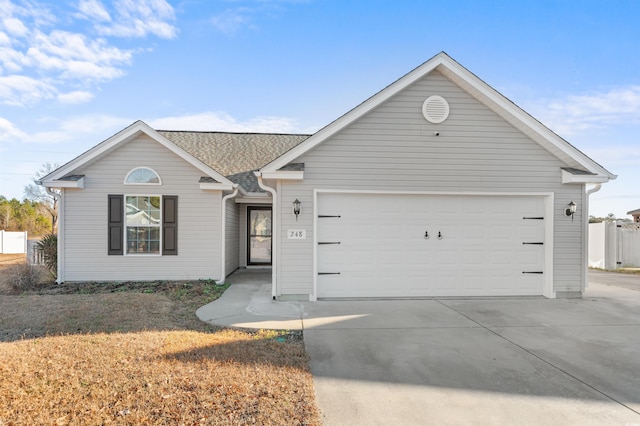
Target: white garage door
(389, 245)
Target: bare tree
(39, 193)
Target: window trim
(125, 240)
(117, 228)
(142, 183)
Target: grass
(135, 353)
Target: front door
(259, 235)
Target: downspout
(60, 248)
(585, 233)
(223, 233)
(274, 233)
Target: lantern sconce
(570, 210)
(296, 208)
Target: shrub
(48, 246)
(24, 276)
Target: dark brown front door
(259, 235)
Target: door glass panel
(259, 236)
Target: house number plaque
(296, 234)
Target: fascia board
(284, 175)
(134, 130)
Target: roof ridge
(234, 133)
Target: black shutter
(115, 225)
(170, 225)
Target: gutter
(274, 233)
(223, 233)
(585, 233)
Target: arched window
(142, 176)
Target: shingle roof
(235, 155)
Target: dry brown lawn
(134, 353)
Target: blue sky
(72, 73)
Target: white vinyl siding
(86, 218)
(232, 234)
(242, 231)
(393, 148)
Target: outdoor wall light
(570, 210)
(296, 208)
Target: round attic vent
(435, 109)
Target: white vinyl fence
(34, 256)
(13, 242)
(614, 245)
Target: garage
(431, 245)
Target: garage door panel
(501, 258)
(500, 232)
(384, 253)
(475, 258)
(475, 232)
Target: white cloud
(232, 20)
(14, 27)
(139, 18)
(576, 113)
(91, 129)
(33, 44)
(247, 12)
(11, 59)
(76, 97)
(9, 132)
(93, 10)
(220, 121)
(19, 90)
(614, 156)
(93, 124)
(5, 40)
(66, 45)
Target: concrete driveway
(461, 361)
(494, 361)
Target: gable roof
(235, 155)
(477, 88)
(224, 158)
(134, 131)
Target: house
(635, 214)
(435, 186)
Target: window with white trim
(142, 176)
(143, 224)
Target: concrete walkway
(460, 361)
(247, 303)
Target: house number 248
(297, 234)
